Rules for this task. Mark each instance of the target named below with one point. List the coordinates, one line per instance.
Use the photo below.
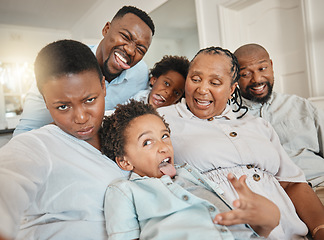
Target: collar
(186, 113)
(121, 78)
(255, 105)
(94, 48)
(135, 176)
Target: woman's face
(76, 103)
(208, 85)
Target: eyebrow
(149, 131)
(67, 102)
(132, 38)
(216, 76)
(169, 79)
(196, 72)
(262, 61)
(60, 102)
(144, 133)
(165, 130)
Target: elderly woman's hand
(251, 208)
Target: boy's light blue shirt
(159, 208)
(119, 90)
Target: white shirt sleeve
(22, 173)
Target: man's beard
(249, 95)
(105, 71)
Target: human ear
(152, 81)
(103, 85)
(124, 164)
(105, 29)
(232, 90)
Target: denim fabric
(160, 208)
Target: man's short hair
(139, 13)
(64, 57)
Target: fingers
(237, 184)
(230, 218)
(250, 208)
(240, 185)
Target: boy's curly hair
(112, 133)
(178, 64)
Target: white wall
(190, 45)
(21, 44)
(99, 13)
(316, 42)
(212, 31)
(187, 46)
(208, 23)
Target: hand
(251, 208)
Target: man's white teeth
(259, 87)
(121, 57)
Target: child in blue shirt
(163, 201)
(167, 81)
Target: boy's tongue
(167, 169)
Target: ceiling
(87, 17)
(58, 14)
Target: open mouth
(121, 60)
(167, 168)
(165, 162)
(203, 103)
(259, 89)
(158, 99)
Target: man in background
(298, 123)
(126, 40)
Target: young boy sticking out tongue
(163, 201)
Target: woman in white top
(208, 134)
(53, 179)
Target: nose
(168, 93)
(203, 88)
(162, 148)
(256, 77)
(80, 115)
(130, 48)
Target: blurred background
(291, 30)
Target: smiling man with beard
(297, 122)
(126, 40)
